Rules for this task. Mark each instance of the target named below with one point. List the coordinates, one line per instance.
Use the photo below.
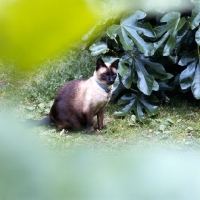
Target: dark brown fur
(78, 101)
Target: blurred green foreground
(28, 171)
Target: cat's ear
(115, 64)
(100, 63)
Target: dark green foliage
(157, 53)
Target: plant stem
(134, 90)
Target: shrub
(158, 53)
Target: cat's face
(106, 73)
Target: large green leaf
(128, 78)
(196, 83)
(190, 77)
(134, 67)
(158, 43)
(130, 29)
(169, 31)
(115, 30)
(155, 69)
(117, 88)
(197, 37)
(182, 41)
(139, 105)
(146, 82)
(195, 18)
(126, 72)
(150, 109)
(187, 76)
(129, 101)
(188, 58)
(122, 68)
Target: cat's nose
(111, 81)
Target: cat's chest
(99, 101)
(96, 100)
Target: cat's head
(106, 73)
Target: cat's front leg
(100, 116)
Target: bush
(158, 53)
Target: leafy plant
(156, 54)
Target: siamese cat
(78, 101)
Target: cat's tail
(42, 122)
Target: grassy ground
(176, 126)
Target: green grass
(177, 124)
(174, 127)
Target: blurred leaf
(32, 31)
(98, 48)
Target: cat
(78, 101)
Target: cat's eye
(104, 74)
